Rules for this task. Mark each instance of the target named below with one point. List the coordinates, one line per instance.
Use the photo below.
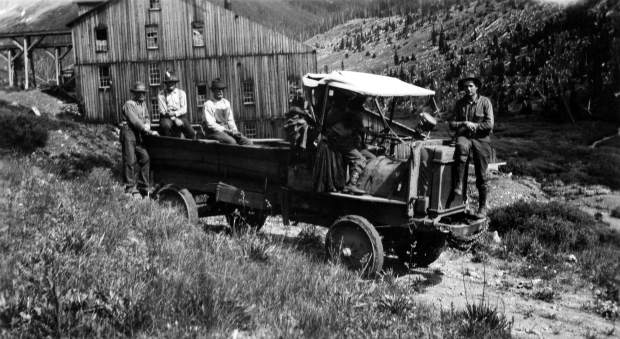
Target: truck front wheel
(355, 242)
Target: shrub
(556, 226)
(23, 132)
(478, 320)
(545, 234)
(604, 167)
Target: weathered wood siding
(235, 49)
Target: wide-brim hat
(218, 84)
(471, 78)
(170, 77)
(138, 87)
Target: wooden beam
(11, 70)
(18, 44)
(66, 52)
(32, 70)
(57, 65)
(33, 33)
(49, 53)
(18, 55)
(25, 55)
(35, 43)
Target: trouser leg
(481, 157)
(144, 162)
(356, 161)
(165, 126)
(128, 148)
(461, 154)
(186, 128)
(242, 139)
(222, 137)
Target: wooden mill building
(118, 42)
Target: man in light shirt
(173, 109)
(218, 118)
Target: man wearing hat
(173, 109)
(218, 118)
(473, 122)
(134, 125)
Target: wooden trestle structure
(16, 46)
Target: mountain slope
(529, 54)
(46, 15)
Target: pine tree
(396, 59)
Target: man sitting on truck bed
(218, 118)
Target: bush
(22, 132)
(545, 234)
(478, 320)
(604, 166)
(557, 227)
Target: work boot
(482, 204)
(351, 187)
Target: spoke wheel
(353, 241)
(179, 199)
(242, 220)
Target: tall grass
(80, 259)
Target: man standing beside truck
(473, 122)
(135, 124)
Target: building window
(152, 39)
(247, 86)
(198, 33)
(202, 93)
(154, 75)
(249, 129)
(154, 103)
(105, 80)
(155, 5)
(101, 39)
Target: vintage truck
(408, 211)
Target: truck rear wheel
(181, 200)
(355, 242)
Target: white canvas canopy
(366, 84)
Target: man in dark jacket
(343, 129)
(473, 122)
(135, 124)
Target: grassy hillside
(81, 259)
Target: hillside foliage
(559, 63)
